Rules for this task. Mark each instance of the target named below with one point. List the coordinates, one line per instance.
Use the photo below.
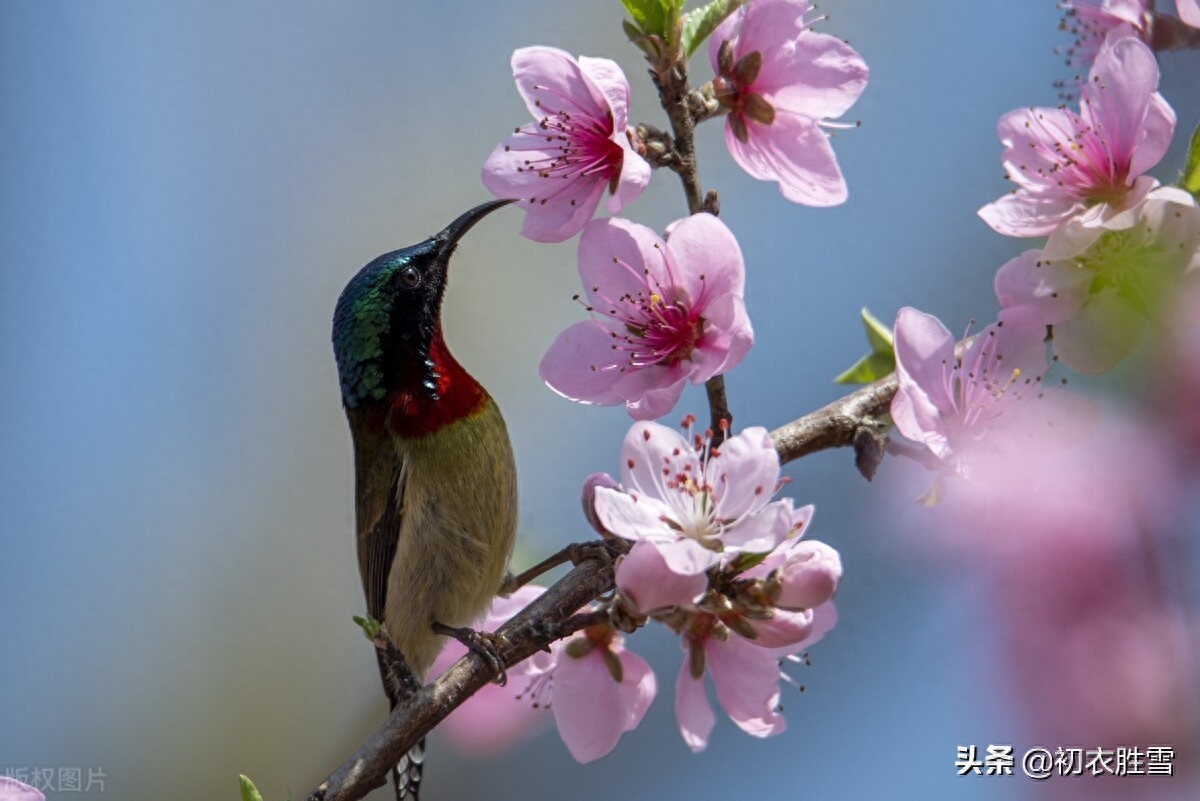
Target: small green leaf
(879, 336)
(699, 24)
(249, 791)
(1191, 173)
(879, 362)
(369, 625)
(871, 367)
(648, 15)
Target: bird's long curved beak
(455, 231)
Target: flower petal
(743, 472)
(643, 575)
(816, 74)
(581, 365)
(746, 678)
(794, 151)
(587, 705)
(550, 80)
(705, 258)
(692, 710)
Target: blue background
(186, 188)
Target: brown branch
(550, 617)
(854, 420)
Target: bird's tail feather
(407, 774)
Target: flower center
(652, 329)
(573, 143)
(1081, 160)
(1124, 262)
(733, 90)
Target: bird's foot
(484, 643)
(399, 675)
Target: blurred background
(187, 187)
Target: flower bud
(809, 577)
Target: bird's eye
(410, 277)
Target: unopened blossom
(662, 314)
(1098, 287)
(1089, 164)
(695, 504)
(989, 401)
(495, 718)
(802, 573)
(597, 689)
(558, 166)
(745, 674)
(780, 82)
(1092, 21)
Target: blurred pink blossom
(663, 314)
(977, 408)
(495, 718)
(1088, 165)
(1189, 11)
(558, 166)
(14, 790)
(1098, 286)
(779, 82)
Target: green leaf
(369, 625)
(879, 335)
(249, 791)
(871, 367)
(649, 15)
(879, 362)
(1191, 173)
(699, 24)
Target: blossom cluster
(715, 559)
(1121, 249)
(713, 556)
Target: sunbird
(435, 481)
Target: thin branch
(837, 424)
(550, 617)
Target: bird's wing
(379, 477)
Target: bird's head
(388, 319)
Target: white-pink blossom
(698, 506)
(559, 166)
(1089, 164)
(662, 314)
(780, 82)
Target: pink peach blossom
(1089, 164)
(558, 166)
(696, 505)
(663, 314)
(779, 82)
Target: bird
(435, 478)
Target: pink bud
(589, 499)
(809, 577)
